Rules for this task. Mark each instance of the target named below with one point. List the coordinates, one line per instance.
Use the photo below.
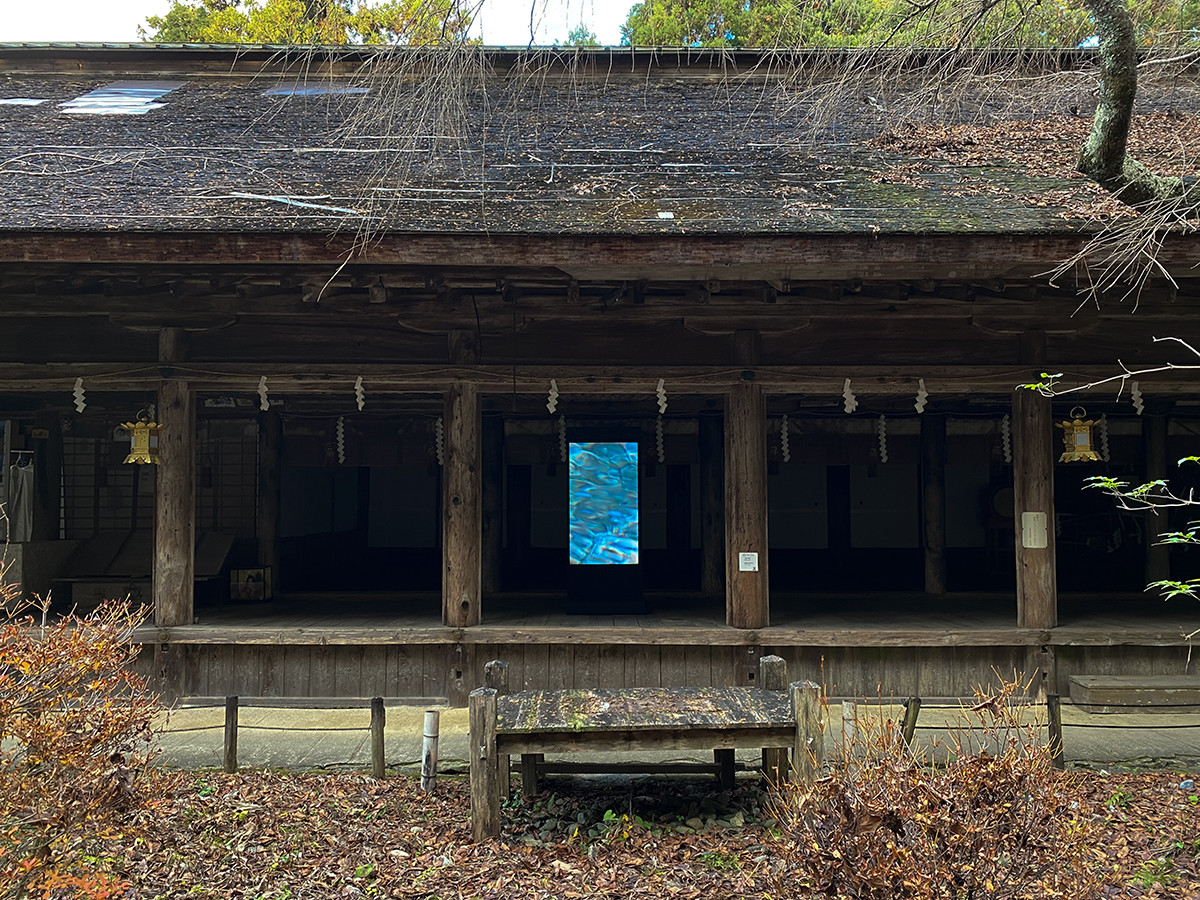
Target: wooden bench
(531, 723)
(1136, 693)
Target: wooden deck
(842, 620)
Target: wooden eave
(762, 257)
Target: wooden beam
(460, 641)
(712, 506)
(750, 257)
(332, 378)
(747, 600)
(270, 446)
(492, 511)
(1033, 510)
(48, 468)
(933, 501)
(175, 506)
(1154, 451)
(462, 510)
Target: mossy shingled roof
(610, 154)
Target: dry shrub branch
(985, 816)
(75, 746)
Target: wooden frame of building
(250, 337)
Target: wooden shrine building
(370, 328)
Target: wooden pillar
(746, 589)
(933, 501)
(462, 510)
(270, 458)
(493, 507)
(1154, 451)
(47, 475)
(712, 507)
(1033, 510)
(175, 506)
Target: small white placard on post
(1033, 531)
(747, 562)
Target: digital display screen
(604, 503)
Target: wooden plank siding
(400, 671)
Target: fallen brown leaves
(1167, 141)
(277, 835)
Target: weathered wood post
(230, 762)
(485, 777)
(1033, 501)
(747, 598)
(462, 510)
(429, 751)
(933, 501)
(378, 720)
(808, 750)
(175, 506)
(912, 709)
(1054, 728)
(772, 676)
(495, 675)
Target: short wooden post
(429, 751)
(849, 719)
(231, 729)
(1054, 726)
(772, 676)
(495, 675)
(529, 773)
(378, 720)
(912, 709)
(725, 759)
(485, 776)
(808, 750)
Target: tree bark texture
(1105, 156)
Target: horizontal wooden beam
(675, 636)
(749, 257)
(996, 381)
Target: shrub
(75, 746)
(990, 819)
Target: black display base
(605, 591)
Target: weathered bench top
(642, 709)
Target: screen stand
(599, 590)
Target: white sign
(747, 562)
(1033, 531)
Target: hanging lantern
(143, 439)
(1079, 438)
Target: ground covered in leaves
(272, 835)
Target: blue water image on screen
(604, 503)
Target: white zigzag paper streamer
(658, 438)
(922, 396)
(552, 397)
(851, 403)
(1135, 394)
(360, 395)
(439, 441)
(341, 440)
(263, 403)
(80, 397)
(882, 428)
(661, 392)
(1104, 437)
(1006, 438)
(785, 447)
(562, 438)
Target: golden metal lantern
(1079, 438)
(143, 439)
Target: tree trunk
(1104, 156)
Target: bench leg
(775, 765)
(724, 759)
(529, 774)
